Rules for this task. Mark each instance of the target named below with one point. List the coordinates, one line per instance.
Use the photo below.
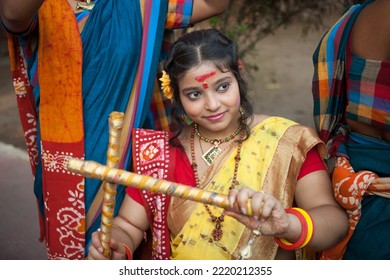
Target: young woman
(270, 167)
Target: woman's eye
(193, 95)
(223, 87)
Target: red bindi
(202, 78)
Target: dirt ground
(282, 86)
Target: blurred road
(19, 230)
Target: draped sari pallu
(270, 160)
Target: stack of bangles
(306, 233)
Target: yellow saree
(271, 159)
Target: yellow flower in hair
(166, 85)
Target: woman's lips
(216, 117)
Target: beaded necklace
(217, 231)
(211, 154)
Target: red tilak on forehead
(202, 78)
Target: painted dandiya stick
(115, 122)
(92, 169)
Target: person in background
(72, 64)
(271, 169)
(351, 90)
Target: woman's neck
(230, 132)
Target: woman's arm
(204, 9)
(128, 229)
(314, 194)
(17, 15)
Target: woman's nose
(212, 103)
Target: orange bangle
(286, 245)
(129, 254)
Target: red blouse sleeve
(312, 163)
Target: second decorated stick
(108, 205)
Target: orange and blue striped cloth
(179, 13)
(368, 88)
(329, 86)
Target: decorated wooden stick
(108, 205)
(92, 169)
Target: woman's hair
(194, 48)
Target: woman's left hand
(258, 210)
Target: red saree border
(153, 156)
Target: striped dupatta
(153, 20)
(328, 86)
(153, 16)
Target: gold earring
(242, 112)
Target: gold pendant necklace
(211, 154)
(217, 231)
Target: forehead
(204, 71)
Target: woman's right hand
(118, 251)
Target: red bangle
(310, 226)
(284, 244)
(129, 254)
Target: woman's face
(211, 98)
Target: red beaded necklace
(217, 231)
